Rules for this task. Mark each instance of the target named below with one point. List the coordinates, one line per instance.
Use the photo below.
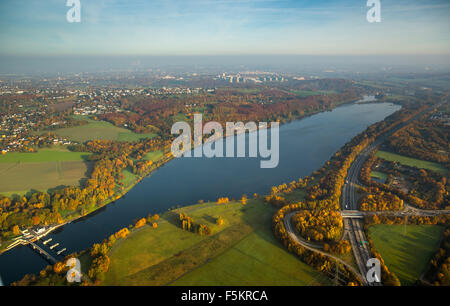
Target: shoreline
(118, 196)
(193, 203)
(112, 199)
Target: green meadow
(242, 251)
(95, 130)
(131, 178)
(308, 93)
(40, 171)
(379, 175)
(43, 155)
(406, 250)
(153, 156)
(412, 162)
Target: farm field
(95, 130)
(242, 251)
(43, 155)
(412, 162)
(406, 250)
(46, 169)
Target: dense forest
(425, 139)
(376, 200)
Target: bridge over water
(43, 252)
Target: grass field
(379, 175)
(43, 155)
(412, 162)
(242, 251)
(308, 93)
(100, 130)
(296, 195)
(153, 156)
(48, 168)
(130, 177)
(253, 261)
(406, 250)
(180, 117)
(243, 90)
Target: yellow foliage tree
(140, 223)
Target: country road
(315, 247)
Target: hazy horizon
(218, 63)
(233, 27)
(294, 36)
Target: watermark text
(214, 145)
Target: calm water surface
(305, 145)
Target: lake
(305, 145)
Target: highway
(407, 211)
(315, 246)
(349, 202)
(352, 226)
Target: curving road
(315, 246)
(349, 202)
(353, 227)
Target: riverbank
(305, 145)
(241, 250)
(23, 240)
(5, 247)
(119, 193)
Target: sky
(224, 27)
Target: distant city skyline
(233, 27)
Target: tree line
(430, 189)
(104, 182)
(323, 197)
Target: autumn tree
(140, 223)
(219, 221)
(16, 230)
